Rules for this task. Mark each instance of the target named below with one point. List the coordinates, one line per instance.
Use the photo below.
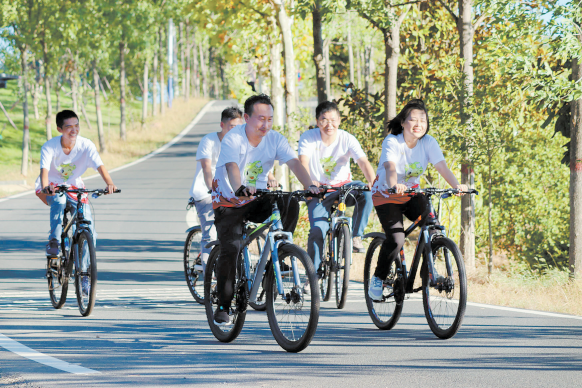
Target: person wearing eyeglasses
(326, 152)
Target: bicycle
(76, 244)
(444, 282)
(194, 268)
(292, 312)
(337, 247)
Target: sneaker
(357, 245)
(221, 317)
(375, 289)
(85, 285)
(52, 248)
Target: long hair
(395, 125)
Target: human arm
(206, 165)
(271, 180)
(446, 173)
(107, 178)
(47, 188)
(367, 170)
(304, 160)
(233, 173)
(302, 174)
(392, 177)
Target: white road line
(31, 354)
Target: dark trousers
(229, 222)
(390, 216)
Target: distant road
(146, 330)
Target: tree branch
(376, 25)
(410, 2)
(402, 16)
(254, 9)
(455, 17)
(480, 20)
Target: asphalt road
(147, 330)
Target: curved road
(146, 329)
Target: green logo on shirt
(412, 170)
(252, 172)
(66, 170)
(328, 166)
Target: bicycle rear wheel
(386, 312)
(85, 281)
(326, 280)
(342, 266)
(223, 333)
(255, 250)
(293, 316)
(193, 265)
(445, 303)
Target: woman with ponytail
(406, 152)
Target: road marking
(31, 354)
(516, 310)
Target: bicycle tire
(293, 327)
(58, 278)
(225, 333)
(445, 303)
(342, 264)
(255, 251)
(386, 313)
(192, 258)
(326, 280)
(82, 247)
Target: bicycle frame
(80, 223)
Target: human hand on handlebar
(49, 190)
(461, 188)
(399, 188)
(110, 188)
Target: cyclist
(406, 152)
(326, 152)
(63, 160)
(247, 153)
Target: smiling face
(415, 124)
(70, 129)
(329, 123)
(260, 122)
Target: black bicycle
(336, 257)
(444, 282)
(76, 245)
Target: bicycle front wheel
(325, 279)
(58, 281)
(445, 302)
(385, 312)
(193, 265)
(293, 316)
(228, 332)
(342, 266)
(85, 281)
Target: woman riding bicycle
(406, 153)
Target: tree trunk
(284, 23)
(466, 33)
(47, 90)
(326, 45)
(318, 60)
(26, 123)
(368, 68)
(187, 75)
(223, 79)
(74, 91)
(162, 82)
(35, 98)
(489, 221)
(350, 54)
(195, 68)
(145, 92)
(276, 89)
(203, 71)
(184, 59)
(155, 82)
(122, 132)
(576, 176)
(359, 64)
(100, 133)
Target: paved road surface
(146, 329)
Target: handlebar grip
(117, 191)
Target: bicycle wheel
(193, 265)
(384, 313)
(58, 270)
(342, 266)
(85, 281)
(326, 279)
(293, 316)
(445, 303)
(255, 249)
(224, 333)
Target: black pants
(229, 223)
(390, 216)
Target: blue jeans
(319, 213)
(58, 204)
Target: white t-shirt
(410, 165)
(67, 169)
(209, 148)
(254, 163)
(330, 165)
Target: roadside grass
(140, 141)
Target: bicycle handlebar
(434, 190)
(96, 192)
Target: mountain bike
(76, 245)
(336, 257)
(292, 297)
(444, 282)
(194, 268)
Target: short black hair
(325, 107)
(64, 115)
(395, 125)
(231, 113)
(257, 99)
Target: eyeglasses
(324, 122)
